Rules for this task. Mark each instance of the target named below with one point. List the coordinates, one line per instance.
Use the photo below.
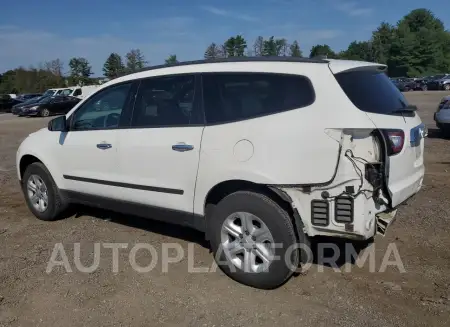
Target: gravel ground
(322, 297)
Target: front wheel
(45, 112)
(424, 88)
(254, 240)
(41, 193)
(447, 87)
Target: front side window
(102, 110)
(164, 101)
(239, 96)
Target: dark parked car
(6, 102)
(404, 84)
(50, 105)
(17, 108)
(440, 82)
(28, 96)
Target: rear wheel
(44, 112)
(253, 240)
(424, 88)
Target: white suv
(259, 153)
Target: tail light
(445, 104)
(395, 139)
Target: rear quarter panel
(293, 147)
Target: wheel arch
(225, 188)
(25, 161)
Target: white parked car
(58, 91)
(259, 153)
(83, 91)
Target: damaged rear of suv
(259, 153)
(339, 166)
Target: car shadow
(325, 251)
(146, 224)
(436, 133)
(335, 252)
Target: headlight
(34, 107)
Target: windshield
(65, 92)
(371, 91)
(48, 92)
(44, 99)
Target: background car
(17, 108)
(404, 84)
(442, 115)
(28, 96)
(422, 83)
(7, 102)
(440, 82)
(49, 106)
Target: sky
(32, 32)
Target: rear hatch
(371, 91)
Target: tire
(424, 88)
(271, 216)
(44, 112)
(447, 87)
(56, 205)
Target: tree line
(418, 45)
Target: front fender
(38, 146)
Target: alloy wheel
(37, 193)
(247, 242)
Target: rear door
(159, 153)
(371, 91)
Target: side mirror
(58, 124)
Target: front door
(88, 152)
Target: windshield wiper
(407, 109)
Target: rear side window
(239, 96)
(371, 91)
(165, 101)
(77, 92)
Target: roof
(335, 65)
(238, 59)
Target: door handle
(104, 146)
(182, 147)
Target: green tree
(213, 51)
(420, 46)
(113, 66)
(358, 51)
(235, 46)
(294, 50)
(322, 50)
(80, 71)
(172, 59)
(381, 41)
(274, 47)
(135, 61)
(258, 46)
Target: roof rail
(236, 59)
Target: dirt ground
(31, 297)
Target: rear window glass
(371, 91)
